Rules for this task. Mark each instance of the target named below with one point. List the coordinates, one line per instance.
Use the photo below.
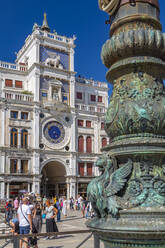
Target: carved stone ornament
(109, 6)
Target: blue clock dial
(54, 132)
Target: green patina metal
(129, 195)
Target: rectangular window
(88, 124)
(24, 166)
(8, 83)
(89, 169)
(80, 123)
(79, 95)
(81, 169)
(24, 115)
(102, 125)
(100, 99)
(13, 166)
(14, 114)
(93, 98)
(44, 94)
(18, 84)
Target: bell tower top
(45, 26)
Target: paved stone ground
(73, 222)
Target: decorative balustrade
(89, 108)
(11, 66)
(18, 96)
(57, 37)
(91, 82)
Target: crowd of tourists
(27, 214)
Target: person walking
(9, 211)
(25, 220)
(82, 206)
(51, 213)
(64, 209)
(16, 206)
(38, 217)
(58, 207)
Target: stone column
(85, 142)
(68, 187)
(85, 169)
(71, 59)
(2, 190)
(3, 117)
(28, 187)
(36, 163)
(73, 188)
(19, 139)
(36, 186)
(72, 92)
(2, 167)
(50, 93)
(96, 136)
(37, 87)
(37, 51)
(36, 127)
(73, 134)
(7, 191)
(19, 165)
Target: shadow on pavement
(65, 236)
(70, 218)
(55, 246)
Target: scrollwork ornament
(135, 188)
(109, 6)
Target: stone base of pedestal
(133, 244)
(141, 227)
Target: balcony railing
(18, 96)
(91, 82)
(11, 66)
(57, 37)
(89, 108)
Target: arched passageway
(53, 179)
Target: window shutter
(104, 142)
(89, 169)
(88, 123)
(81, 144)
(100, 98)
(18, 84)
(89, 145)
(9, 83)
(81, 169)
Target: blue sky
(80, 18)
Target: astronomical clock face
(54, 132)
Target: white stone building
(51, 129)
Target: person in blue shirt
(58, 207)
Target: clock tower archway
(53, 182)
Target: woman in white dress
(64, 208)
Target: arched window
(14, 137)
(24, 138)
(81, 144)
(89, 144)
(104, 142)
